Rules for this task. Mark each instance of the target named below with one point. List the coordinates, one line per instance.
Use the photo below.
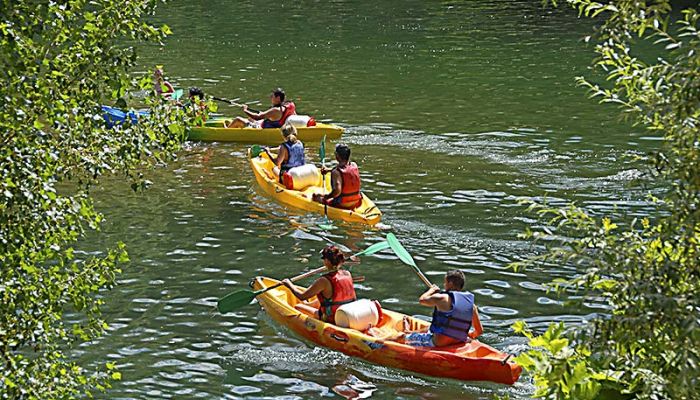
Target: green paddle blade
(400, 251)
(377, 247)
(235, 300)
(326, 227)
(177, 94)
(255, 150)
(322, 149)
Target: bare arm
(271, 114)
(281, 157)
(433, 298)
(310, 292)
(476, 324)
(336, 184)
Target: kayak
(473, 361)
(114, 116)
(214, 131)
(366, 213)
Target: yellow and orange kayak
(473, 361)
(366, 213)
(214, 131)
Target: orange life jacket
(287, 109)
(343, 293)
(350, 193)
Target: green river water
(454, 111)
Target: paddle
(404, 256)
(177, 94)
(243, 297)
(255, 150)
(233, 103)
(322, 155)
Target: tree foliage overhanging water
(58, 62)
(648, 344)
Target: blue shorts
(419, 339)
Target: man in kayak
(454, 314)
(274, 117)
(332, 289)
(290, 153)
(345, 182)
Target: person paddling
(345, 182)
(274, 117)
(454, 314)
(162, 87)
(332, 289)
(290, 153)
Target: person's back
(295, 154)
(332, 289)
(350, 196)
(343, 292)
(451, 327)
(454, 313)
(345, 182)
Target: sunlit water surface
(455, 113)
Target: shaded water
(454, 112)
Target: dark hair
(279, 92)
(456, 278)
(343, 150)
(195, 91)
(333, 254)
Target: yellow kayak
(214, 131)
(366, 213)
(473, 361)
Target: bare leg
(238, 122)
(307, 309)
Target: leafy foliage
(58, 62)
(648, 271)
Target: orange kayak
(473, 361)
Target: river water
(454, 111)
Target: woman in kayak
(274, 117)
(290, 153)
(345, 182)
(332, 289)
(162, 87)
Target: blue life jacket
(296, 155)
(456, 322)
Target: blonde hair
(289, 132)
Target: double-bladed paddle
(404, 256)
(240, 298)
(233, 103)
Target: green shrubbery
(648, 271)
(58, 62)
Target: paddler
(345, 182)
(332, 289)
(274, 117)
(162, 87)
(454, 314)
(290, 153)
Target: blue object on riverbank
(114, 116)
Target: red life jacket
(287, 109)
(350, 192)
(343, 293)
